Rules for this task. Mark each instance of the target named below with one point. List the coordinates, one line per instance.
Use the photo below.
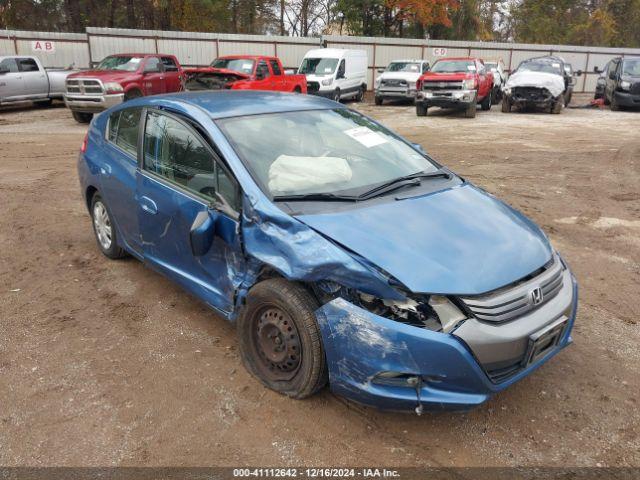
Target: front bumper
(625, 99)
(359, 345)
(446, 98)
(396, 94)
(92, 103)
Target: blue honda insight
(343, 253)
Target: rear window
(169, 64)
(27, 65)
(123, 129)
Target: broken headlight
(433, 312)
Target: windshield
(453, 66)
(235, 64)
(632, 67)
(404, 67)
(318, 66)
(324, 151)
(124, 63)
(546, 66)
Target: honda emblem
(536, 296)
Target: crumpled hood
(553, 83)
(408, 76)
(459, 241)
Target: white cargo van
(335, 73)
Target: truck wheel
(279, 338)
(557, 106)
(421, 109)
(379, 100)
(131, 94)
(336, 95)
(104, 229)
(297, 90)
(82, 117)
(613, 105)
(486, 102)
(470, 112)
(360, 95)
(506, 105)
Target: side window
(169, 64)
(275, 68)
(27, 65)
(152, 65)
(262, 70)
(341, 69)
(123, 129)
(177, 153)
(10, 64)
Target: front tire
(486, 102)
(279, 338)
(506, 105)
(336, 95)
(379, 101)
(558, 106)
(131, 94)
(470, 112)
(615, 107)
(421, 110)
(82, 117)
(104, 229)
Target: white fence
(86, 49)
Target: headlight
(468, 84)
(327, 81)
(624, 85)
(113, 87)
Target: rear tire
(470, 112)
(379, 101)
(421, 110)
(82, 117)
(279, 338)
(506, 105)
(486, 102)
(104, 229)
(297, 90)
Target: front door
(11, 83)
(181, 177)
(35, 79)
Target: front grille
(84, 86)
(434, 85)
(390, 82)
(313, 87)
(532, 94)
(516, 300)
(635, 88)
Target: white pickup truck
(23, 78)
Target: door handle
(148, 205)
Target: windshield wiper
(315, 197)
(407, 180)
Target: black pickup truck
(622, 83)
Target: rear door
(173, 80)
(278, 79)
(181, 177)
(11, 83)
(35, 79)
(484, 83)
(154, 76)
(264, 80)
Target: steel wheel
(277, 342)
(102, 225)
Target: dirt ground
(107, 363)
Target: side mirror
(596, 70)
(202, 233)
(4, 70)
(579, 73)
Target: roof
(246, 57)
(236, 103)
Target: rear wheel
(297, 90)
(379, 100)
(280, 340)
(82, 117)
(470, 112)
(486, 102)
(421, 109)
(104, 229)
(506, 105)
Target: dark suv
(622, 87)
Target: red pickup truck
(459, 83)
(245, 72)
(121, 77)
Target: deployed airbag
(306, 174)
(553, 83)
